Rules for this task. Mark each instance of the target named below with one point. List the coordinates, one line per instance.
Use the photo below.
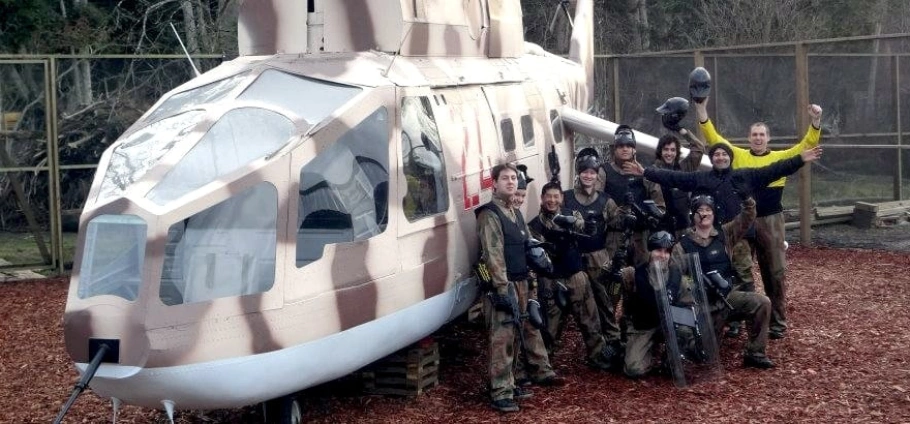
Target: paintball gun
(719, 286)
(553, 160)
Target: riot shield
(691, 348)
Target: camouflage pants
(742, 266)
(752, 307)
(505, 346)
(606, 294)
(772, 262)
(582, 307)
(639, 350)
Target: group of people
(618, 223)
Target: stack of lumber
(408, 372)
(868, 215)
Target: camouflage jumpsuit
(581, 304)
(504, 340)
(597, 262)
(751, 306)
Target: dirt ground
(844, 360)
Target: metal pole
(802, 121)
(53, 171)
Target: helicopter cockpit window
(226, 250)
(344, 191)
(207, 94)
(285, 90)
(238, 138)
(423, 160)
(508, 134)
(113, 257)
(527, 130)
(142, 149)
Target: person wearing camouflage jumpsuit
(568, 267)
(605, 221)
(503, 233)
(714, 247)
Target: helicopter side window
(344, 191)
(423, 161)
(556, 123)
(226, 250)
(527, 130)
(508, 134)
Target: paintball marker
(553, 160)
(719, 286)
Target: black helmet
(676, 105)
(584, 162)
(660, 239)
(623, 136)
(537, 257)
(699, 84)
(699, 201)
(523, 178)
(672, 111)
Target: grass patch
(19, 248)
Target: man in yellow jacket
(769, 224)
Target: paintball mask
(660, 240)
(624, 136)
(699, 84)
(672, 112)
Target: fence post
(802, 122)
(899, 164)
(53, 163)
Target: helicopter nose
(116, 326)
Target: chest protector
(514, 242)
(713, 257)
(643, 304)
(618, 185)
(594, 212)
(565, 255)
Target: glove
(564, 221)
(501, 302)
(629, 220)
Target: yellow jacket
(744, 158)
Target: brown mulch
(845, 360)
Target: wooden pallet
(408, 372)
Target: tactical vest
(643, 305)
(565, 255)
(618, 185)
(713, 257)
(595, 211)
(514, 242)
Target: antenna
(398, 53)
(185, 51)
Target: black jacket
(719, 185)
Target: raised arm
(685, 181)
(736, 229)
(813, 134)
(696, 151)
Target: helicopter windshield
(207, 94)
(143, 149)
